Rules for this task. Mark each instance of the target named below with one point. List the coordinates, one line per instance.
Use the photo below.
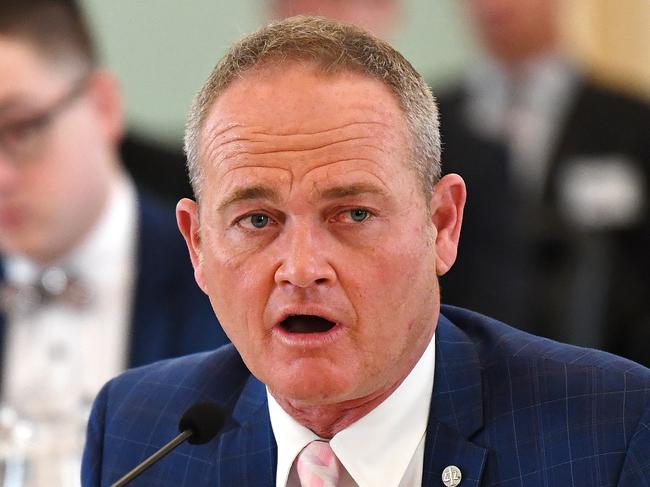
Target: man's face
(314, 240)
(57, 133)
(515, 29)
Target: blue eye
(358, 214)
(259, 221)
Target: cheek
(68, 174)
(397, 265)
(79, 150)
(45, 198)
(396, 287)
(238, 283)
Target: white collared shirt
(525, 110)
(385, 447)
(58, 356)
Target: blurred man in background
(576, 166)
(94, 277)
(378, 16)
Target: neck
(327, 420)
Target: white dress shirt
(58, 355)
(385, 447)
(524, 109)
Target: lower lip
(308, 340)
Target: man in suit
(577, 162)
(320, 228)
(94, 277)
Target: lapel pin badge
(451, 476)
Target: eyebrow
(250, 193)
(337, 192)
(265, 192)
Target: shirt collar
(491, 88)
(377, 449)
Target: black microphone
(198, 425)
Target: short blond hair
(335, 47)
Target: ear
(447, 203)
(105, 93)
(187, 217)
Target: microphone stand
(153, 458)
(199, 424)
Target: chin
(14, 246)
(312, 389)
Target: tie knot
(318, 466)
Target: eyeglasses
(24, 140)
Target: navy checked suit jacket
(170, 315)
(508, 408)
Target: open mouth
(306, 324)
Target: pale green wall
(162, 50)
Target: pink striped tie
(318, 466)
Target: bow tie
(54, 284)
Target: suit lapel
(570, 134)
(148, 313)
(247, 452)
(456, 411)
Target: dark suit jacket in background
(170, 315)
(590, 287)
(508, 408)
(156, 168)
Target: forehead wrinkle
(243, 143)
(305, 149)
(272, 148)
(293, 167)
(261, 190)
(256, 166)
(324, 131)
(218, 131)
(383, 189)
(269, 143)
(265, 191)
(210, 149)
(330, 163)
(280, 152)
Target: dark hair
(57, 29)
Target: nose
(303, 263)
